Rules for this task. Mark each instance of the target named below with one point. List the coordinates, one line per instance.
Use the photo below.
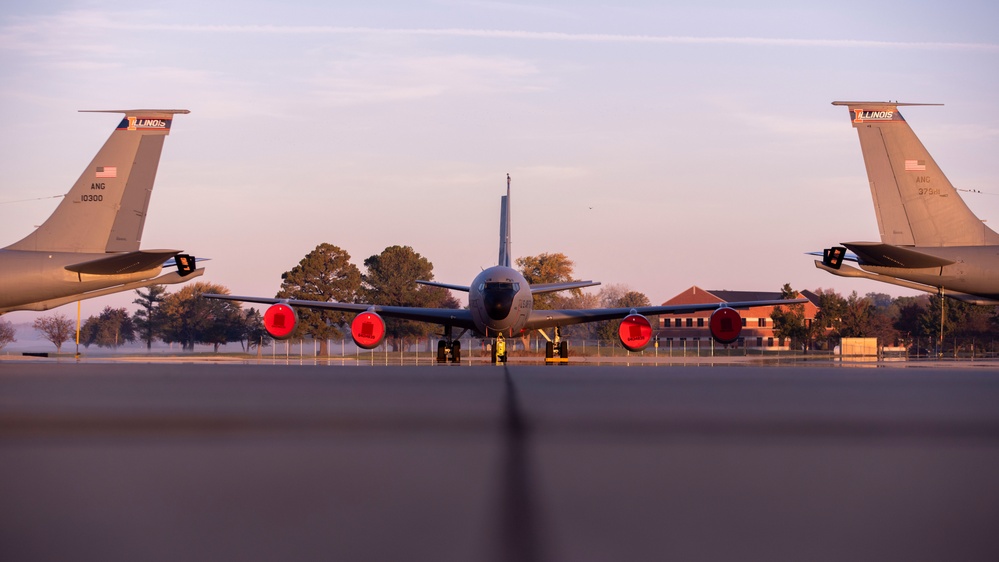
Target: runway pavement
(247, 462)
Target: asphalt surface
(230, 462)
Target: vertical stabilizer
(504, 245)
(915, 203)
(105, 211)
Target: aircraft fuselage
(28, 279)
(973, 270)
(500, 301)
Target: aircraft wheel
(442, 352)
(493, 353)
(549, 350)
(456, 352)
(563, 349)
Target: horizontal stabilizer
(552, 287)
(887, 255)
(124, 263)
(462, 288)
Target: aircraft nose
(498, 301)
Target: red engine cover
(635, 332)
(368, 330)
(725, 325)
(280, 320)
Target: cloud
(554, 36)
(24, 33)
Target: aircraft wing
(552, 287)
(550, 318)
(456, 318)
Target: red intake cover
(368, 330)
(725, 325)
(635, 332)
(280, 320)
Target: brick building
(757, 327)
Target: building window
(759, 341)
(770, 342)
(743, 322)
(761, 322)
(690, 322)
(700, 322)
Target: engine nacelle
(635, 332)
(280, 321)
(368, 330)
(725, 325)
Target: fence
(426, 349)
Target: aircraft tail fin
(504, 245)
(105, 210)
(915, 203)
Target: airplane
(930, 239)
(89, 246)
(500, 306)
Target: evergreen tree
(391, 280)
(324, 274)
(146, 319)
(188, 318)
(789, 320)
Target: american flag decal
(915, 165)
(107, 171)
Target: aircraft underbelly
(960, 277)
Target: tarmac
(205, 461)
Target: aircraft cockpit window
(502, 286)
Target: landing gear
(557, 349)
(449, 349)
(499, 350)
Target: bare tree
(7, 333)
(56, 328)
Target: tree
(253, 331)
(618, 296)
(829, 318)
(391, 280)
(324, 274)
(146, 319)
(548, 268)
(111, 328)
(7, 333)
(855, 322)
(188, 318)
(908, 323)
(585, 330)
(789, 320)
(56, 328)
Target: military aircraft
(500, 306)
(930, 239)
(89, 246)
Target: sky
(658, 145)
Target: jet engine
(368, 330)
(725, 325)
(280, 320)
(635, 332)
